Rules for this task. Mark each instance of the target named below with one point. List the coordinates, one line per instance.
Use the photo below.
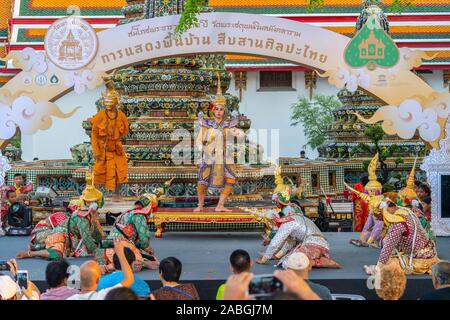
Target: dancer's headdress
(219, 97)
(373, 184)
(407, 194)
(90, 192)
(282, 192)
(110, 95)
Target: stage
(205, 261)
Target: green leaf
(189, 17)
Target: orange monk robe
(110, 165)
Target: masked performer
(45, 227)
(295, 232)
(407, 197)
(76, 236)
(360, 208)
(373, 227)
(213, 142)
(406, 242)
(108, 127)
(132, 226)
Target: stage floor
(205, 260)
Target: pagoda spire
(371, 7)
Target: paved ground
(205, 255)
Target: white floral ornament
(349, 79)
(29, 116)
(405, 119)
(82, 80)
(32, 60)
(4, 167)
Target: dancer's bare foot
(358, 243)
(328, 263)
(152, 265)
(261, 260)
(222, 209)
(23, 255)
(199, 209)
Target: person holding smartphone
(21, 289)
(237, 286)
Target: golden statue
(109, 126)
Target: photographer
(90, 274)
(10, 290)
(236, 287)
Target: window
(315, 180)
(332, 178)
(275, 81)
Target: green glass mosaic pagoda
(346, 132)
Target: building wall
(271, 110)
(267, 110)
(55, 143)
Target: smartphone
(106, 244)
(264, 285)
(22, 279)
(4, 266)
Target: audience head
(441, 274)
(8, 288)
(56, 273)
(170, 269)
(18, 179)
(121, 293)
(417, 185)
(391, 282)
(11, 196)
(391, 207)
(426, 204)
(129, 255)
(299, 263)
(240, 261)
(90, 274)
(423, 191)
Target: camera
(4, 266)
(264, 285)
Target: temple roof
(424, 26)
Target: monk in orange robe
(109, 126)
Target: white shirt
(93, 295)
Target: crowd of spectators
(122, 284)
